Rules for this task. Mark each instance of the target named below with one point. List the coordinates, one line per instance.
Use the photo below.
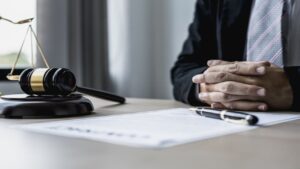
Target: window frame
(4, 71)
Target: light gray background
(145, 39)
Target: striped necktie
(265, 32)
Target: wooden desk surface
(276, 147)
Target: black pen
(228, 116)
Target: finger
(241, 68)
(236, 88)
(203, 88)
(217, 62)
(212, 97)
(241, 105)
(198, 79)
(246, 106)
(218, 77)
(222, 62)
(217, 106)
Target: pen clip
(241, 121)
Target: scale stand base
(24, 106)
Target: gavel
(57, 82)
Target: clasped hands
(249, 86)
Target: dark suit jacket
(219, 31)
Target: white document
(156, 129)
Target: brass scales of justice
(50, 92)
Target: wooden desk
(276, 147)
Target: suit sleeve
(199, 47)
(293, 74)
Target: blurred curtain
(145, 38)
(74, 35)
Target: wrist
(293, 75)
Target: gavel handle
(101, 94)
